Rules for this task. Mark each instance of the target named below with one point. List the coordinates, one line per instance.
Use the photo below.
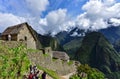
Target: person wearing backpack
(31, 75)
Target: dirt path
(68, 75)
(62, 77)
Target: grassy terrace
(50, 72)
(14, 60)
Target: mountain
(0, 35)
(70, 40)
(72, 46)
(98, 52)
(75, 36)
(67, 36)
(113, 35)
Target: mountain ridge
(112, 33)
(97, 51)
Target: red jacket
(30, 76)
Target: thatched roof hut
(15, 30)
(21, 32)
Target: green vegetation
(50, 72)
(97, 51)
(86, 72)
(13, 62)
(33, 50)
(72, 46)
(75, 77)
(54, 59)
(46, 55)
(114, 75)
(70, 62)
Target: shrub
(86, 72)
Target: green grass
(70, 62)
(12, 61)
(54, 59)
(50, 72)
(46, 55)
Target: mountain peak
(97, 51)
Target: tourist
(44, 75)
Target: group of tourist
(34, 73)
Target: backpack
(30, 76)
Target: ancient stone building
(20, 32)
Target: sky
(53, 16)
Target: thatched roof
(16, 28)
(13, 29)
(60, 55)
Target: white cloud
(37, 6)
(56, 17)
(95, 16)
(43, 22)
(97, 13)
(8, 19)
(74, 34)
(115, 21)
(93, 6)
(82, 22)
(15, 12)
(54, 21)
(109, 2)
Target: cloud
(15, 12)
(82, 22)
(74, 34)
(97, 13)
(115, 21)
(109, 2)
(8, 19)
(22, 7)
(37, 6)
(54, 21)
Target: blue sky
(17, 7)
(73, 6)
(58, 15)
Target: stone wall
(12, 44)
(26, 35)
(57, 65)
